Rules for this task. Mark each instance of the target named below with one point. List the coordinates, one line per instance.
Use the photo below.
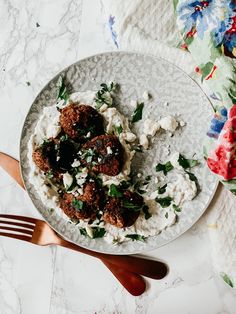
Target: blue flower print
(217, 123)
(200, 15)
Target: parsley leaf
(136, 237)
(119, 129)
(187, 163)
(227, 279)
(138, 112)
(137, 148)
(164, 167)
(176, 208)
(83, 231)
(145, 209)
(114, 191)
(129, 205)
(49, 174)
(164, 201)
(192, 176)
(62, 89)
(162, 189)
(77, 204)
(103, 96)
(97, 232)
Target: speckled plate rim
(24, 177)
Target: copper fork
(38, 232)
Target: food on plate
(104, 153)
(81, 155)
(81, 122)
(84, 206)
(123, 211)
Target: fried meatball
(106, 154)
(81, 122)
(84, 206)
(44, 156)
(123, 212)
(54, 155)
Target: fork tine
(20, 230)
(22, 218)
(6, 222)
(15, 236)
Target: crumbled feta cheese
(103, 108)
(143, 140)
(182, 189)
(88, 134)
(81, 177)
(67, 180)
(58, 158)
(76, 163)
(146, 95)
(156, 180)
(150, 127)
(139, 175)
(129, 136)
(99, 159)
(168, 123)
(89, 231)
(133, 103)
(174, 159)
(109, 150)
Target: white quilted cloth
(149, 26)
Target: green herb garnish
(166, 215)
(145, 209)
(103, 96)
(83, 232)
(77, 204)
(162, 189)
(164, 201)
(137, 148)
(49, 174)
(138, 112)
(176, 208)
(164, 167)
(136, 237)
(187, 163)
(129, 205)
(62, 89)
(114, 191)
(119, 129)
(96, 231)
(227, 279)
(192, 176)
(64, 138)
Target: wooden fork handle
(146, 267)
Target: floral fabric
(208, 29)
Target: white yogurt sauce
(48, 126)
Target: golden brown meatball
(44, 156)
(85, 206)
(106, 155)
(54, 155)
(123, 212)
(81, 122)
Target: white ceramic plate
(135, 73)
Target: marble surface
(37, 39)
